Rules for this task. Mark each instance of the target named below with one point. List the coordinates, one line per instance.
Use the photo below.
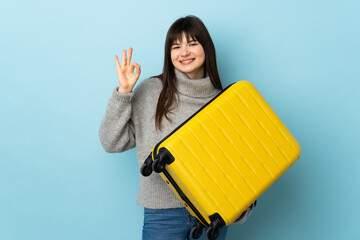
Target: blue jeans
(172, 224)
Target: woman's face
(188, 57)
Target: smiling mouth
(187, 61)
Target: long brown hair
(193, 28)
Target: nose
(184, 51)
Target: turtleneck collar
(198, 88)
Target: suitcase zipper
(185, 199)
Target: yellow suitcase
(223, 157)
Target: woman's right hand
(125, 71)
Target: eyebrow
(176, 43)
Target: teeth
(186, 61)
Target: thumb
(132, 67)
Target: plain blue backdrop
(57, 72)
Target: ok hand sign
(125, 71)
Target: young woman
(158, 105)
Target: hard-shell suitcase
(223, 157)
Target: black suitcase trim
(184, 198)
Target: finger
(129, 56)
(117, 63)
(138, 70)
(118, 69)
(123, 60)
(132, 66)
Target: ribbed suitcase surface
(228, 153)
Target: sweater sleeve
(117, 132)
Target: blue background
(57, 73)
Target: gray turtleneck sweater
(129, 122)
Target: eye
(175, 47)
